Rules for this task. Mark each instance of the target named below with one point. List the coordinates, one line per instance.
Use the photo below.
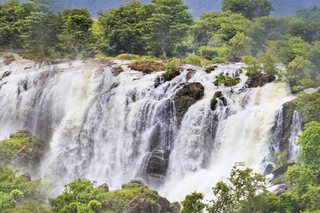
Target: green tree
(240, 45)
(253, 66)
(79, 196)
(12, 20)
(193, 203)
(269, 63)
(123, 28)
(310, 143)
(167, 26)
(76, 33)
(243, 184)
(248, 8)
(299, 68)
(40, 33)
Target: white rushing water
(109, 129)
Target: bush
(309, 106)
(128, 56)
(253, 66)
(193, 59)
(146, 66)
(172, 70)
(208, 52)
(226, 80)
(172, 65)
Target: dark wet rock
(157, 163)
(190, 73)
(279, 172)
(26, 176)
(117, 70)
(211, 68)
(2, 83)
(104, 186)
(269, 168)
(23, 86)
(114, 85)
(6, 74)
(187, 95)
(169, 75)
(148, 202)
(288, 112)
(157, 82)
(260, 80)
(215, 100)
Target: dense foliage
(242, 31)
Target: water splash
(108, 128)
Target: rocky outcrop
(146, 66)
(214, 101)
(135, 197)
(117, 70)
(288, 111)
(187, 95)
(190, 73)
(9, 59)
(22, 151)
(260, 80)
(211, 68)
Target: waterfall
(116, 128)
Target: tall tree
(248, 8)
(123, 28)
(167, 26)
(76, 33)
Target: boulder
(104, 186)
(214, 101)
(6, 74)
(288, 112)
(187, 94)
(211, 68)
(190, 73)
(260, 80)
(9, 59)
(117, 70)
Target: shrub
(226, 80)
(128, 56)
(172, 69)
(146, 66)
(253, 66)
(193, 59)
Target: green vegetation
(146, 66)
(162, 28)
(22, 150)
(309, 106)
(249, 9)
(246, 191)
(226, 80)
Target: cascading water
(116, 128)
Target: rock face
(288, 111)
(260, 80)
(187, 95)
(214, 101)
(140, 198)
(117, 70)
(22, 151)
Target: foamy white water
(109, 129)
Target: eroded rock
(187, 95)
(260, 80)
